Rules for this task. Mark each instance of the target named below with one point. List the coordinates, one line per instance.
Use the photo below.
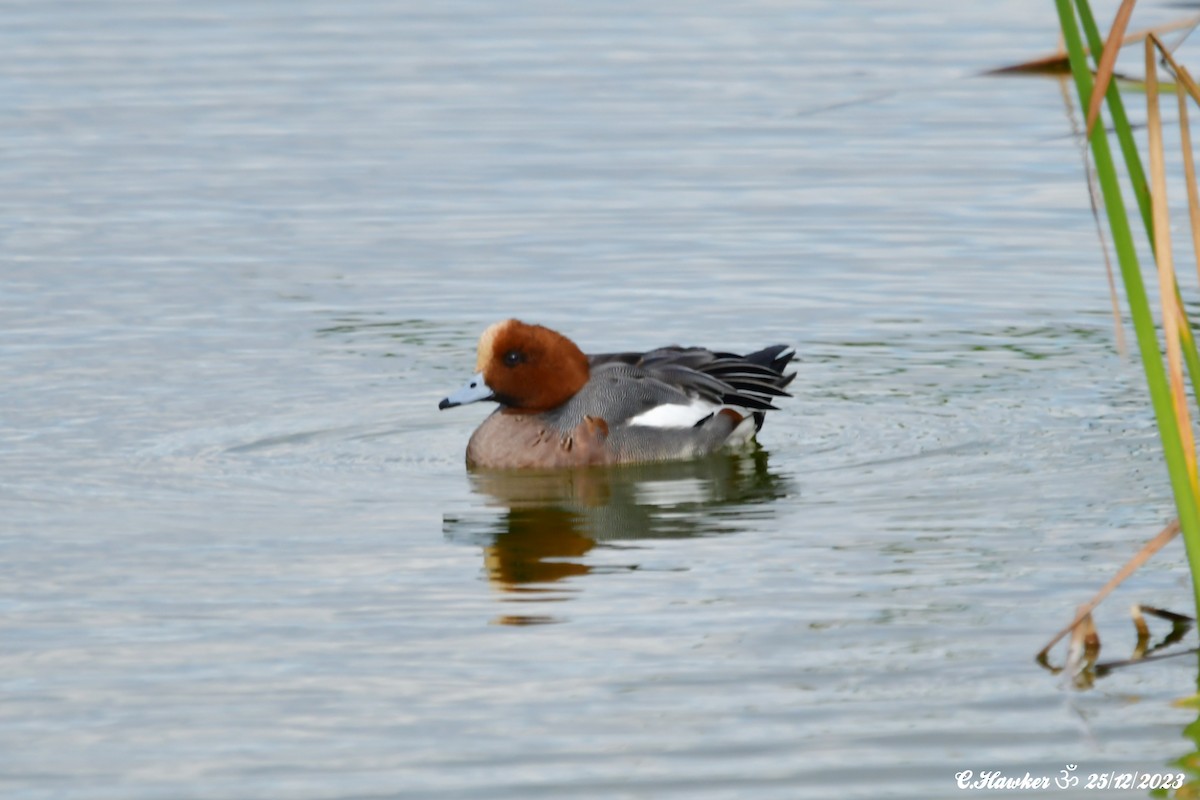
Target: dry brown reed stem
(1172, 312)
(1184, 77)
(1189, 168)
(1186, 86)
(1184, 82)
(1108, 61)
(1131, 566)
(1181, 73)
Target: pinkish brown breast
(524, 441)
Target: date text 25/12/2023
(1067, 779)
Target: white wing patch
(675, 415)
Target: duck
(559, 407)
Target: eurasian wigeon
(561, 408)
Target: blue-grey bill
(475, 390)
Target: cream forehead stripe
(484, 354)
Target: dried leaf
(1056, 63)
(1108, 61)
(1131, 566)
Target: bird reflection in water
(553, 518)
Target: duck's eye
(513, 357)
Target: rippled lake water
(248, 247)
